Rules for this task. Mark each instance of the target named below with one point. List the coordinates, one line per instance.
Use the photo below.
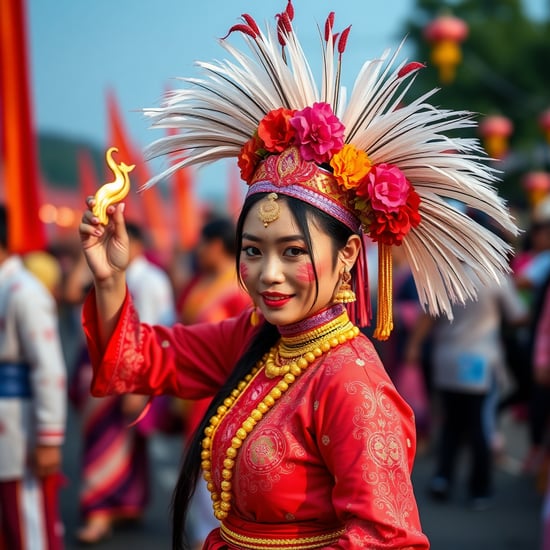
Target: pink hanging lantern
(445, 34)
(495, 131)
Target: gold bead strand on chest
(209, 432)
(221, 501)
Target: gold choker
(302, 350)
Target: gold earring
(254, 317)
(345, 294)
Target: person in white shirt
(32, 407)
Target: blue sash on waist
(15, 380)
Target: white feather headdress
(217, 114)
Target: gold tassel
(345, 294)
(384, 316)
(254, 318)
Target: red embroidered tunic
(333, 455)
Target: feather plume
(217, 113)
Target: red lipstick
(275, 299)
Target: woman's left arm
(366, 436)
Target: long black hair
(266, 337)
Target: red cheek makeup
(305, 273)
(243, 270)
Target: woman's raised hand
(106, 247)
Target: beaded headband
(386, 168)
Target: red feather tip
(329, 23)
(343, 40)
(410, 67)
(251, 22)
(284, 27)
(290, 10)
(245, 29)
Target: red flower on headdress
(249, 157)
(387, 204)
(275, 130)
(390, 227)
(319, 133)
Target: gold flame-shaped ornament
(114, 191)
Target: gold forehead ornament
(269, 210)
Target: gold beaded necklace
(296, 353)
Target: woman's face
(277, 268)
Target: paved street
(511, 523)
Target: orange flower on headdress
(350, 166)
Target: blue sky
(79, 49)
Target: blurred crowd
(460, 377)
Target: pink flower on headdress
(387, 188)
(350, 166)
(319, 133)
(275, 130)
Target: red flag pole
(187, 212)
(155, 210)
(19, 148)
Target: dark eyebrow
(285, 239)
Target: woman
(306, 444)
(373, 488)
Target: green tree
(504, 70)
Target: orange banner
(188, 217)
(148, 206)
(117, 138)
(86, 175)
(19, 148)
